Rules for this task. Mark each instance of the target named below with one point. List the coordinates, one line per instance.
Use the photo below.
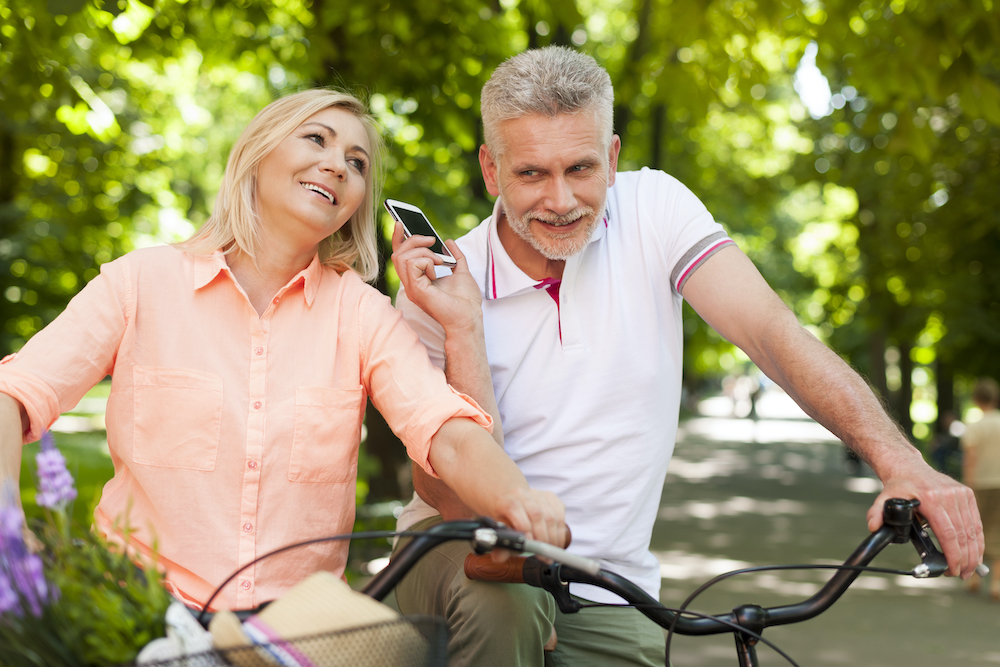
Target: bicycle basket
(417, 641)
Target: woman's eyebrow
(333, 133)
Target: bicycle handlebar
(901, 524)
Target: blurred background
(852, 149)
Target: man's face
(552, 179)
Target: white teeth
(316, 188)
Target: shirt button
(256, 405)
(246, 585)
(259, 351)
(252, 465)
(247, 527)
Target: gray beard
(567, 247)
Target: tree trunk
(876, 370)
(905, 398)
(945, 379)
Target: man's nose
(560, 195)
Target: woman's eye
(358, 164)
(318, 138)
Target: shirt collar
(503, 277)
(207, 267)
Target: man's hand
(454, 301)
(948, 506)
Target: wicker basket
(417, 641)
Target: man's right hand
(455, 301)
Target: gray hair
(547, 81)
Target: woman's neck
(262, 279)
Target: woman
(241, 361)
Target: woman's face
(311, 184)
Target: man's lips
(324, 192)
(560, 226)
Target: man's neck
(534, 264)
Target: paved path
(777, 491)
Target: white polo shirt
(587, 372)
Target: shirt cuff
(455, 405)
(40, 403)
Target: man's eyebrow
(333, 133)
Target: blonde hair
(234, 224)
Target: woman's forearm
(12, 419)
(488, 482)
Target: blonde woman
(241, 361)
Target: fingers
(540, 515)
(413, 258)
(950, 509)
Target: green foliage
(116, 116)
(108, 607)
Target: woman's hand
(540, 515)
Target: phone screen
(417, 224)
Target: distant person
(945, 450)
(241, 361)
(981, 471)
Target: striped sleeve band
(696, 256)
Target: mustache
(555, 218)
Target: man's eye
(529, 173)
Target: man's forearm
(833, 394)
(468, 370)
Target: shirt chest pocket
(327, 435)
(178, 417)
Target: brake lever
(933, 564)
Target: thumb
(875, 514)
(397, 236)
(461, 265)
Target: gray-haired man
(563, 319)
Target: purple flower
(55, 484)
(22, 579)
(8, 597)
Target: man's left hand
(949, 507)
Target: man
(572, 290)
(981, 471)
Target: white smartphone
(415, 222)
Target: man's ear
(613, 151)
(489, 167)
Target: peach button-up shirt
(231, 434)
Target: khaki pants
(507, 625)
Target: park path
(777, 491)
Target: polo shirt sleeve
(60, 363)
(689, 233)
(408, 390)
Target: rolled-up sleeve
(410, 392)
(60, 363)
